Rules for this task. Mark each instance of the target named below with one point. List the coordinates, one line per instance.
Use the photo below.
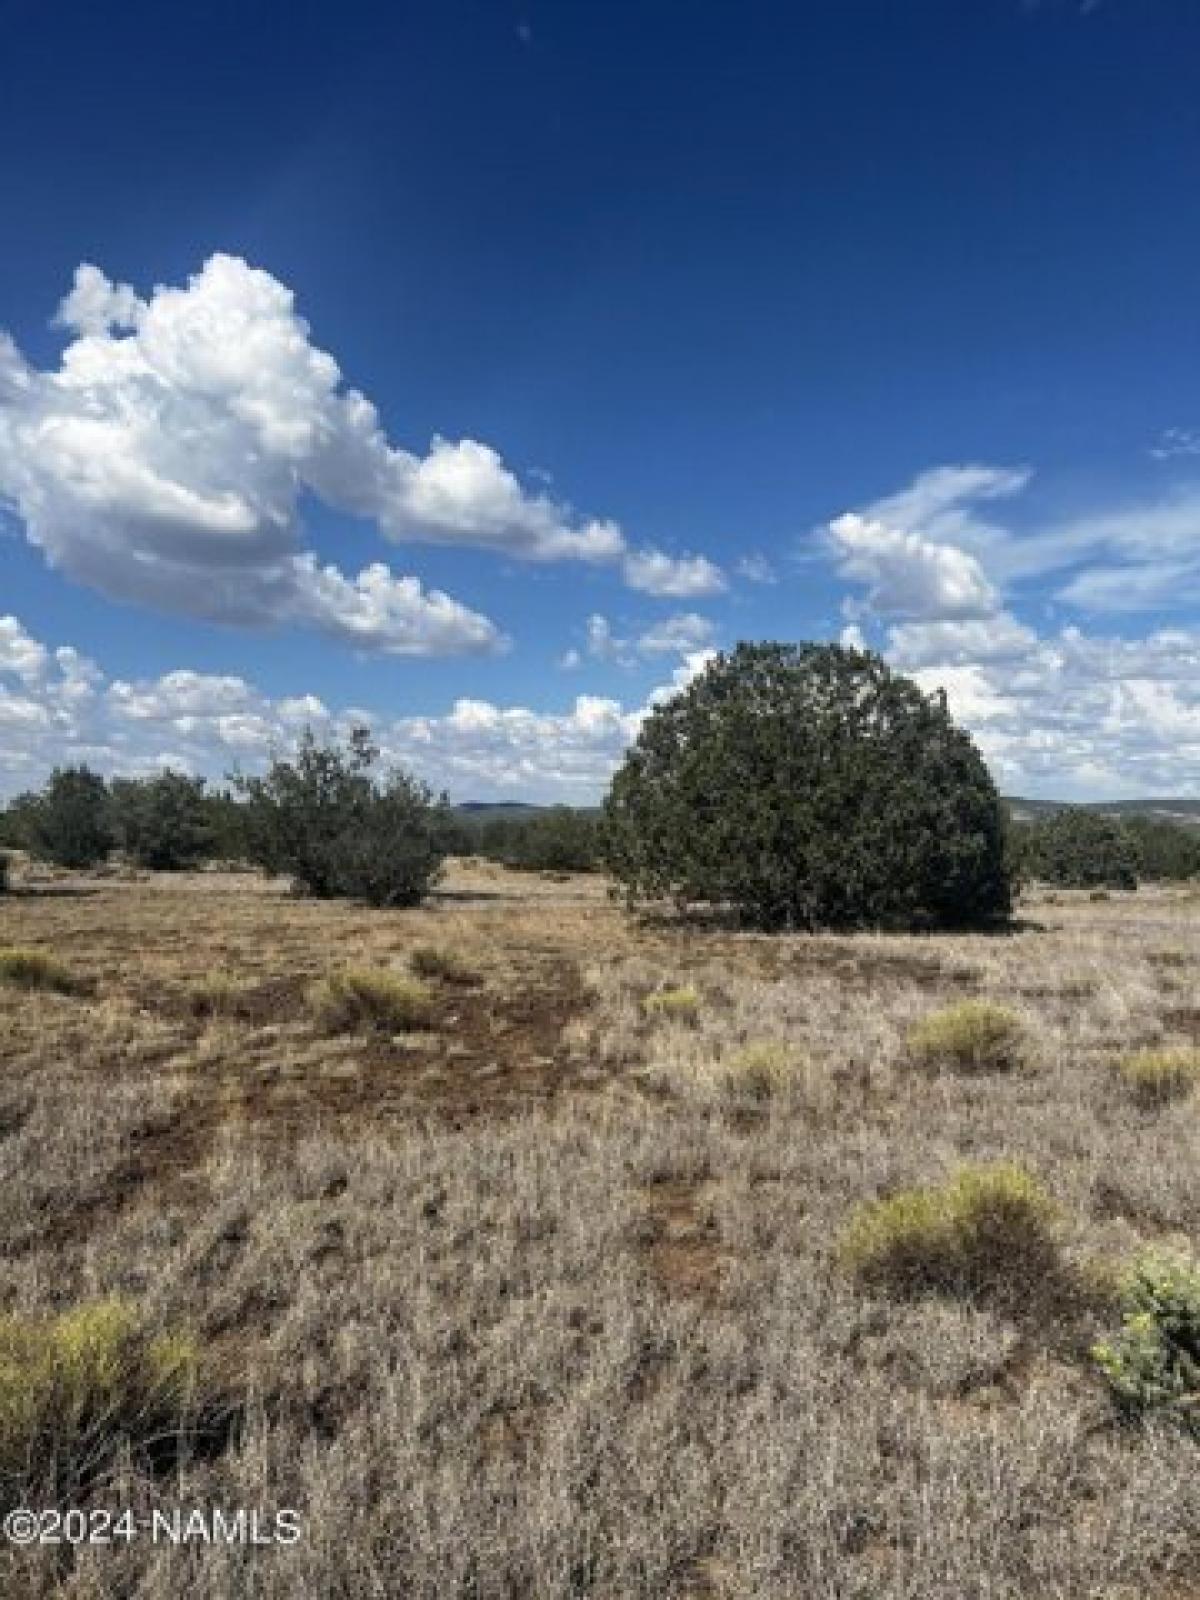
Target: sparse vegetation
(988, 1229)
(364, 997)
(1153, 1364)
(38, 969)
(807, 786)
(974, 1036)
(555, 1288)
(1158, 1076)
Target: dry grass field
(522, 1270)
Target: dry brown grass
(547, 1300)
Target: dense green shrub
(560, 839)
(1078, 848)
(163, 822)
(1153, 1364)
(808, 785)
(989, 1229)
(69, 821)
(1166, 851)
(325, 821)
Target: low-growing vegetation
(38, 969)
(80, 1388)
(1153, 1364)
(1158, 1076)
(986, 1230)
(534, 1291)
(364, 997)
(446, 966)
(974, 1036)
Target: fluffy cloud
(681, 634)
(1071, 715)
(166, 460)
(907, 575)
(676, 577)
(1133, 557)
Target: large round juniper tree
(804, 786)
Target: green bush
(78, 1388)
(560, 839)
(36, 969)
(163, 823)
(987, 1230)
(803, 786)
(1158, 1076)
(324, 820)
(68, 822)
(975, 1036)
(4, 865)
(1078, 848)
(1153, 1364)
(365, 997)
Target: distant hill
(1185, 813)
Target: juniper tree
(808, 785)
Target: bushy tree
(1165, 850)
(162, 822)
(69, 821)
(808, 785)
(560, 839)
(327, 822)
(1077, 848)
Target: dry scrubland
(530, 1275)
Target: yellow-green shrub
(74, 1388)
(680, 1004)
(975, 1036)
(762, 1070)
(1157, 1076)
(217, 994)
(988, 1229)
(36, 969)
(366, 997)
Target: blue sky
(478, 366)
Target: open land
(540, 1293)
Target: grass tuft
(975, 1036)
(35, 969)
(78, 1388)
(988, 1229)
(1157, 1077)
(366, 997)
(435, 961)
(680, 1004)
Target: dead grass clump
(988, 1229)
(35, 969)
(679, 1004)
(435, 961)
(366, 997)
(1156, 1077)
(77, 1388)
(975, 1036)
